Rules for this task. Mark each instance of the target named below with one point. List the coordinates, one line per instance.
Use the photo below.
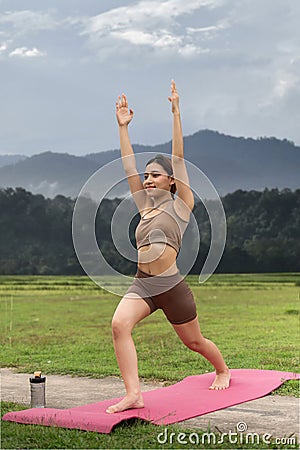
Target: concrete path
(274, 414)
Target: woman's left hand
(174, 98)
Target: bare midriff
(157, 259)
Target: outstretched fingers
(124, 114)
(122, 102)
(173, 86)
(174, 98)
(174, 92)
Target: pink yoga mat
(184, 400)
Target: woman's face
(156, 179)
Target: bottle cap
(37, 377)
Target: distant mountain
(6, 160)
(49, 174)
(231, 163)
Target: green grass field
(61, 325)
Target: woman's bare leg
(192, 337)
(129, 312)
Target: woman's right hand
(124, 116)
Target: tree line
(36, 233)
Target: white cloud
(147, 11)
(20, 26)
(153, 24)
(161, 40)
(236, 64)
(285, 83)
(209, 32)
(25, 52)
(28, 21)
(147, 24)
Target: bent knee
(196, 344)
(120, 326)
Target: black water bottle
(37, 390)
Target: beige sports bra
(165, 227)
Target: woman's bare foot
(221, 381)
(128, 402)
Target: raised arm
(178, 163)
(124, 117)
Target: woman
(158, 283)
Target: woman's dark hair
(166, 164)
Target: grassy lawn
(61, 325)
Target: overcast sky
(63, 63)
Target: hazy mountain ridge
(230, 162)
(6, 160)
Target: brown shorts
(169, 293)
